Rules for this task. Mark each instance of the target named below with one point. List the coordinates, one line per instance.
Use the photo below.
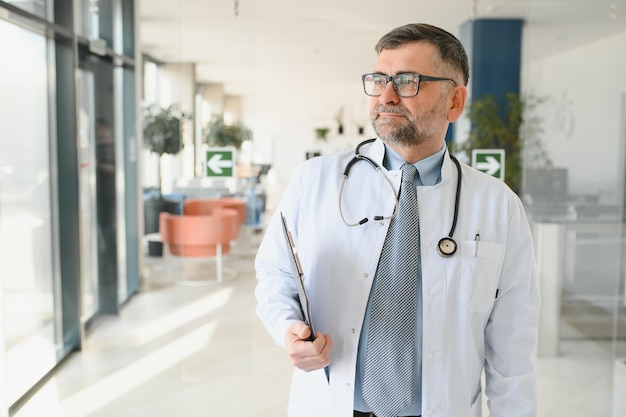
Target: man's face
(414, 120)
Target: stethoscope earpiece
(446, 246)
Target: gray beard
(405, 135)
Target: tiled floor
(186, 348)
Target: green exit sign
(489, 161)
(220, 162)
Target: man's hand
(306, 355)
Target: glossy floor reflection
(183, 347)
(186, 347)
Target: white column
(549, 251)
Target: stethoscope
(446, 246)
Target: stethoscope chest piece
(446, 247)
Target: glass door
(87, 196)
(28, 259)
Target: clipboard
(296, 267)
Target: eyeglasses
(405, 84)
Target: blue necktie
(389, 375)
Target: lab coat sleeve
(511, 331)
(276, 293)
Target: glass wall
(573, 147)
(68, 162)
(575, 204)
(27, 258)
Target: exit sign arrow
(490, 166)
(489, 161)
(220, 162)
(216, 163)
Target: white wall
(584, 114)
(286, 124)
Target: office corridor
(185, 348)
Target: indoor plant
(321, 133)
(510, 124)
(218, 133)
(162, 134)
(339, 120)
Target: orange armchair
(198, 206)
(236, 204)
(200, 235)
(207, 206)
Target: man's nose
(389, 94)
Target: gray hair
(449, 48)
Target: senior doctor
(476, 303)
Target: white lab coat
(465, 326)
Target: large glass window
(27, 265)
(87, 23)
(36, 7)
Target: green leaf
(219, 134)
(510, 124)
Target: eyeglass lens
(405, 85)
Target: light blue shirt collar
(429, 168)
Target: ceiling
(271, 46)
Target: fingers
(301, 330)
(304, 354)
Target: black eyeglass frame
(392, 78)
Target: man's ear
(457, 103)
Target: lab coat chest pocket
(481, 266)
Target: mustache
(390, 109)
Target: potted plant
(339, 119)
(511, 125)
(321, 133)
(218, 133)
(162, 134)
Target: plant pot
(152, 210)
(155, 248)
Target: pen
(476, 239)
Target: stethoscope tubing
(447, 246)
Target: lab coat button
(429, 412)
(431, 298)
(365, 275)
(430, 356)
(353, 330)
